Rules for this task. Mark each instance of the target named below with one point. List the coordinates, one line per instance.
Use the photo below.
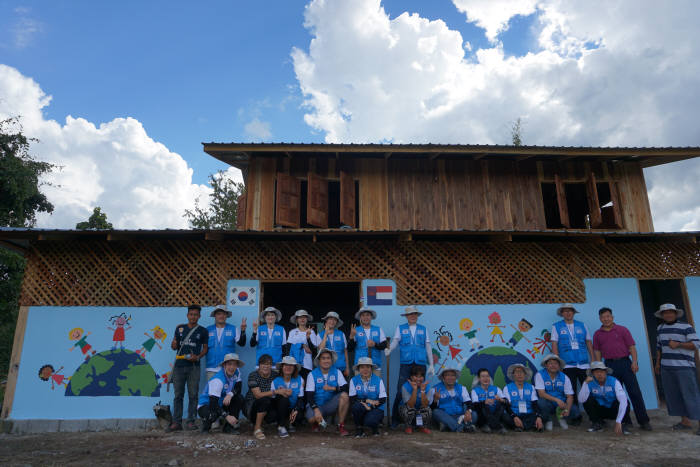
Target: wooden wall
(445, 194)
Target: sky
(121, 95)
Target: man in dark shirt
(190, 342)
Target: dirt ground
(572, 447)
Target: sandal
(259, 434)
(680, 426)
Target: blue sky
(134, 74)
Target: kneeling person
(603, 397)
(452, 406)
(523, 408)
(367, 397)
(326, 392)
(489, 404)
(414, 407)
(555, 391)
(289, 395)
(222, 395)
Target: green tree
(223, 205)
(98, 220)
(516, 133)
(20, 200)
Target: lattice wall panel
(174, 273)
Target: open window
(581, 205)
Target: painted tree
(221, 213)
(98, 220)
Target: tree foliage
(98, 220)
(223, 205)
(516, 133)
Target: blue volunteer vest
(337, 344)
(483, 394)
(450, 404)
(295, 384)
(515, 399)
(413, 347)
(407, 386)
(361, 349)
(571, 356)
(322, 396)
(371, 391)
(228, 386)
(554, 388)
(271, 347)
(604, 395)
(219, 348)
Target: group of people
(308, 377)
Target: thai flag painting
(379, 295)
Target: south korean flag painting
(242, 295)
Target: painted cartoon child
(523, 326)
(466, 325)
(495, 320)
(167, 377)
(119, 322)
(541, 344)
(47, 372)
(158, 335)
(77, 334)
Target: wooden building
(466, 233)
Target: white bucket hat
(365, 310)
(511, 369)
(271, 309)
(364, 361)
(232, 356)
(444, 369)
(220, 308)
(288, 360)
(556, 357)
(565, 306)
(334, 356)
(598, 366)
(668, 306)
(410, 309)
(298, 314)
(333, 314)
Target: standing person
(326, 392)
(452, 406)
(554, 390)
(615, 344)
(190, 342)
(489, 403)
(572, 342)
(675, 361)
(289, 395)
(302, 342)
(416, 395)
(368, 340)
(259, 404)
(603, 397)
(223, 338)
(522, 400)
(367, 397)
(270, 338)
(414, 349)
(222, 395)
(334, 339)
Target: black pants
(622, 370)
(494, 419)
(234, 408)
(575, 375)
(528, 420)
(276, 409)
(597, 413)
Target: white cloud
(493, 16)
(257, 129)
(137, 181)
(367, 78)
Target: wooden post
(14, 361)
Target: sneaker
(469, 428)
(502, 431)
(425, 430)
(173, 427)
(291, 429)
(442, 427)
(626, 429)
(517, 429)
(375, 431)
(563, 425)
(342, 431)
(205, 427)
(408, 430)
(645, 427)
(191, 426)
(548, 426)
(282, 432)
(360, 433)
(215, 425)
(595, 427)
(486, 429)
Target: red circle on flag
(242, 296)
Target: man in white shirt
(604, 398)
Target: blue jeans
(404, 373)
(450, 421)
(622, 370)
(185, 375)
(363, 417)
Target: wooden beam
(387, 155)
(214, 236)
(435, 156)
(524, 157)
(288, 155)
(15, 361)
(406, 237)
(476, 157)
(11, 246)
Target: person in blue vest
(604, 398)
(416, 396)
(572, 342)
(223, 338)
(302, 342)
(414, 349)
(367, 340)
(367, 397)
(289, 395)
(489, 404)
(326, 393)
(452, 406)
(222, 396)
(555, 392)
(270, 338)
(522, 400)
(334, 339)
